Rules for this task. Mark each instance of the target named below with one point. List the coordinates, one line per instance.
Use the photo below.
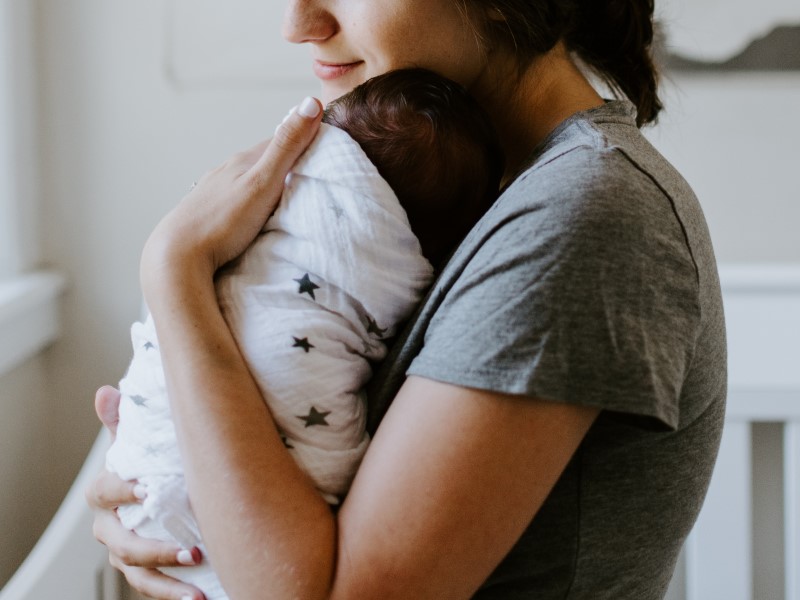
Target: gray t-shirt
(591, 281)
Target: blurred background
(110, 109)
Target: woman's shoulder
(598, 154)
(598, 173)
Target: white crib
(746, 544)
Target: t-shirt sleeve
(584, 292)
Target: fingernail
(185, 557)
(140, 491)
(309, 108)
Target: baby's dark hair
(433, 144)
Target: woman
(550, 418)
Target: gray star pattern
(306, 286)
(336, 209)
(314, 417)
(151, 451)
(302, 343)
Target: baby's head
(433, 144)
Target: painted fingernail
(309, 108)
(140, 491)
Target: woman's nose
(307, 21)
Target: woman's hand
(226, 209)
(136, 557)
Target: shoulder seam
(644, 172)
(560, 155)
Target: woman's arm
(449, 483)
(451, 480)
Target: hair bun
(615, 37)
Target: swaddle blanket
(334, 271)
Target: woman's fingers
(108, 491)
(137, 559)
(106, 405)
(155, 584)
(135, 556)
(127, 548)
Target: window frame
(29, 298)
(18, 194)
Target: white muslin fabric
(334, 271)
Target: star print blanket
(334, 271)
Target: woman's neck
(527, 107)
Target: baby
(402, 167)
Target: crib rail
(746, 543)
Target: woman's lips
(328, 71)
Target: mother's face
(353, 40)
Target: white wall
(18, 184)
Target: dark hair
(433, 144)
(613, 37)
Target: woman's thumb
(292, 137)
(106, 404)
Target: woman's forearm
(268, 531)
